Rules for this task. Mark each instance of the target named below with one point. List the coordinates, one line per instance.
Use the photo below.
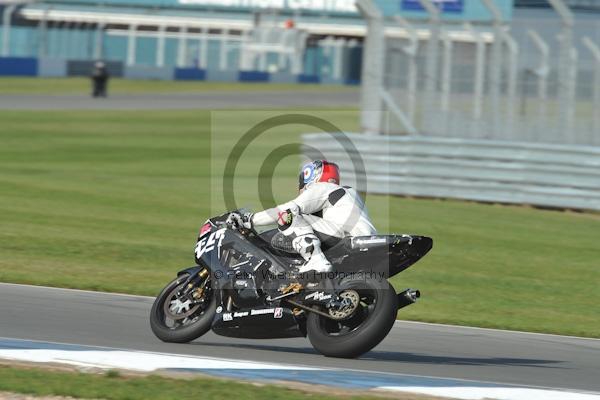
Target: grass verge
(116, 386)
(61, 86)
(112, 200)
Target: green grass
(112, 200)
(114, 386)
(60, 86)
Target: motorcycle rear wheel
(191, 327)
(369, 325)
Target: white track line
(154, 353)
(107, 358)
(507, 331)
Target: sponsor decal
(317, 296)
(207, 244)
(278, 313)
(372, 240)
(231, 316)
(219, 310)
(262, 311)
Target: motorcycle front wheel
(365, 329)
(178, 319)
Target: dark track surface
(206, 100)
(101, 319)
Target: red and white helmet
(318, 171)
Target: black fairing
(379, 254)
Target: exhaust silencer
(408, 297)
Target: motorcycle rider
(322, 208)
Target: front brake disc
(177, 309)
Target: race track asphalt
(224, 100)
(121, 321)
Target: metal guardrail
(483, 170)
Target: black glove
(238, 220)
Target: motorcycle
(245, 286)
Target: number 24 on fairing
(207, 244)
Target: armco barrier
(221, 76)
(189, 74)
(52, 67)
(253, 76)
(308, 79)
(282, 77)
(483, 170)
(85, 67)
(147, 72)
(18, 66)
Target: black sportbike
(245, 285)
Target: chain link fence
(502, 89)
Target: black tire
(360, 333)
(181, 334)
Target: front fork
(194, 286)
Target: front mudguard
(191, 271)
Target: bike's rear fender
(382, 255)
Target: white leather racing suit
(324, 207)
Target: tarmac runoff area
(207, 100)
(106, 331)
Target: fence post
(182, 47)
(574, 131)
(263, 36)
(203, 50)
(566, 82)
(479, 75)
(6, 26)
(595, 50)
(373, 68)
(338, 58)
(495, 62)
(511, 85)
(42, 34)
(431, 67)
(160, 46)
(223, 48)
(131, 44)
(99, 41)
(541, 72)
(411, 83)
(446, 76)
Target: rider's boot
(315, 274)
(309, 247)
